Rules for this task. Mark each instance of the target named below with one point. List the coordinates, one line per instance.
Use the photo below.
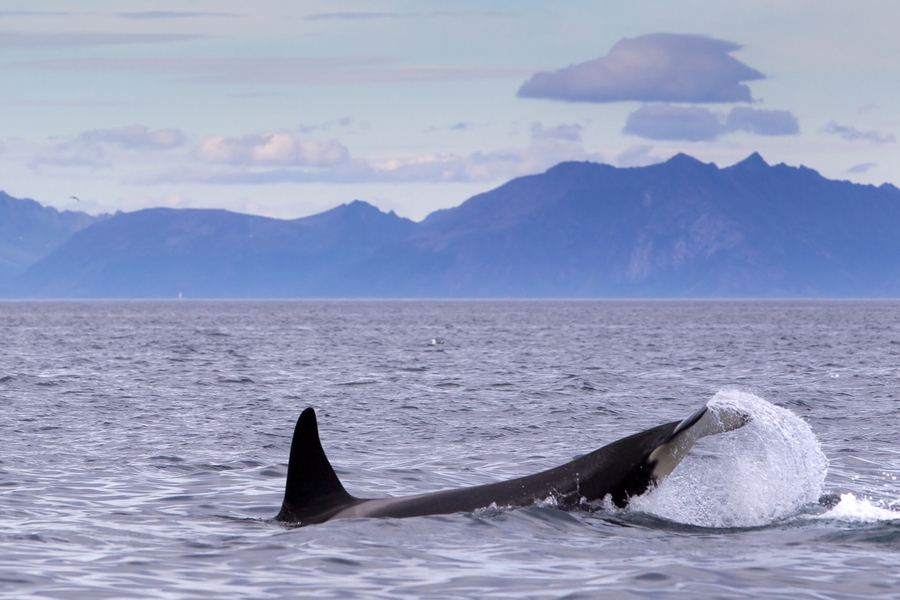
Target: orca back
(623, 469)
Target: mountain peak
(360, 205)
(682, 159)
(355, 207)
(754, 161)
(685, 163)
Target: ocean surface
(144, 446)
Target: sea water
(143, 447)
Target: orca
(621, 470)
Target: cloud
(434, 168)
(342, 122)
(136, 137)
(563, 131)
(172, 14)
(458, 126)
(637, 156)
(279, 148)
(93, 148)
(762, 122)
(65, 153)
(853, 134)
(667, 122)
(695, 124)
(275, 70)
(862, 167)
(15, 39)
(370, 16)
(355, 16)
(283, 156)
(659, 67)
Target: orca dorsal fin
(312, 489)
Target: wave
(859, 510)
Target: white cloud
(481, 166)
(278, 148)
(397, 168)
(862, 167)
(664, 67)
(853, 134)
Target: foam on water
(859, 510)
(765, 471)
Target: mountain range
(29, 231)
(682, 228)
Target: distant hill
(29, 231)
(676, 229)
(163, 252)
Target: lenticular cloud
(660, 67)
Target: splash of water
(859, 510)
(755, 475)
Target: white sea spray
(762, 472)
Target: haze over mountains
(676, 229)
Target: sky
(287, 109)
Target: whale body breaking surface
(621, 470)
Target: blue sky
(290, 108)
